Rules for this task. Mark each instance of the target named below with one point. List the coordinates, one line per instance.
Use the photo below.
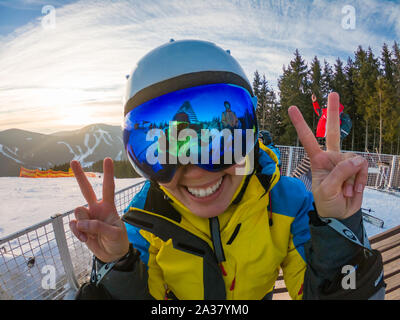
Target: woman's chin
(208, 211)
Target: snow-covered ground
(385, 207)
(26, 201)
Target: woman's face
(206, 194)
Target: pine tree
(339, 79)
(396, 85)
(349, 103)
(381, 103)
(396, 67)
(294, 89)
(387, 64)
(256, 84)
(262, 92)
(367, 71)
(316, 84)
(327, 81)
(316, 78)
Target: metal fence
(383, 169)
(46, 261)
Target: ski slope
(25, 201)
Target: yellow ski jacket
(261, 232)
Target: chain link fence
(46, 261)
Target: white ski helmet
(179, 65)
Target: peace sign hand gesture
(100, 226)
(338, 179)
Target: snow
(27, 201)
(3, 150)
(385, 207)
(119, 156)
(67, 145)
(99, 135)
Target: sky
(63, 64)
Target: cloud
(82, 62)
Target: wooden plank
(384, 235)
(281, 296)
(280, 292)
(390, 253)
(394, 295)
(387, 244)
(393, 286)
(391, 267)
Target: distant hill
(42, 151)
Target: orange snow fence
(27, 173)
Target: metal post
(59, 232)
(289, 166)
(392, 172)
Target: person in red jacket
(322, 113)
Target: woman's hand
(100, 226)
(338, 179)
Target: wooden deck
(388, 243)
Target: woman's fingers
(81, 213)
(84, 184)
(342, 172)
(348, 186)
(108, 181)
(80, 235)
(304, 132)
(362, 176)
(333, 123)
(97, 227)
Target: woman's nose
(193, 172)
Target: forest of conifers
(369, 89)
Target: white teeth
(201, 192)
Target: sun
(77, 116)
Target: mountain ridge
(41, 151)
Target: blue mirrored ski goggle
(212, 126)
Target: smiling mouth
(205, 192)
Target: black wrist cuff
(314, 218)
(125, 263)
